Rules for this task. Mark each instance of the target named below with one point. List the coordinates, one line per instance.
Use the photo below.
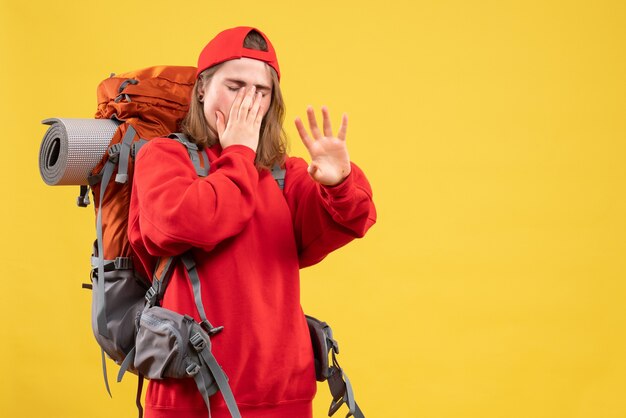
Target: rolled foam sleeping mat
(71, 148)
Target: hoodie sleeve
(326, 218)
(176, 210)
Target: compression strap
(203, 346)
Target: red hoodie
(249, 241)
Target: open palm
(330, 163)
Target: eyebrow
(242, 83)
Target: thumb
(219, 123)
(313, 169)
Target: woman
(249, 238)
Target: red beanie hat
(228, 45)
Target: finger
(234, 109)
(315, 131)
(219, 123)
(246, 103)
(261, 114)
(328, 130)
(304, 135)
(256, 105)
(343, 128)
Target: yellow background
(493, 133)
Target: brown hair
(272, 139)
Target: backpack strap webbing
(202, 169)
(124, 155)
(138, 397)
(100, 308)
(342, 392)
(190, 266)
(106, 178)
(123, 367)
(161, 277)
(107, 173)
(203, 346)
(338, 382)
(137, 146)
(279, 175)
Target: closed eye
(263, 92)
(234, 84)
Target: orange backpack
(153, 102)
(147, 103)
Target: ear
(200, 90)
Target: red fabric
(228, 45)
(249, 241)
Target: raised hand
(330, 163)
(244, 120)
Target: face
(222, 88)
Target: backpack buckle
(151, 295)
(198, 342)
(83, 198)
(123, 263)
(192, 369)
(210, 329)
(328, 332)
(114, 152)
